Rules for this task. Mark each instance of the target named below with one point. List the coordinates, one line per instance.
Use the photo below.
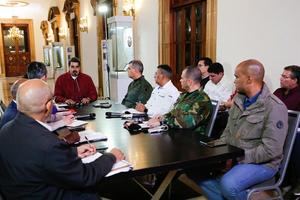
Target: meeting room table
(169, 151)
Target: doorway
(16, 49)
(17, 46)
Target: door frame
(31, 40)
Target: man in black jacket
(35, 164)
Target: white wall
(88, 43)
(266, 30)
(146, 36)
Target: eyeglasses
(285, 76)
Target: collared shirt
(139, 90)
(162, 99)
(220, 91)
(249, 101)
(291, 99)
(45, 125)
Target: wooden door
(189, 29)
(16, 50)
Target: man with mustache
(74, 86)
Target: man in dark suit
(35, 164)
(11, 110)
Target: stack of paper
(77, 122)
(91, 135)
(121, 166)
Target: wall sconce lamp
(129, 8)
(83, 24)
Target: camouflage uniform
(192, 111)
(139, 90)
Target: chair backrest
(2, 109)
(211, 122)
(293, 121)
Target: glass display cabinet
(120, 33)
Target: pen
(204, 143)
(87, 140)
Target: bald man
(257, 123)
(11, 110)
(35, 164)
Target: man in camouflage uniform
(257, 123)
(139, 90)
(193, 107)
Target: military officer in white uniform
(164, 94)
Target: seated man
(11, 110)
(36, 70)
(74, 86)
(204, 63)
(289, 91)
(35, 164)
(163, 96)
(217, 88)
(193, 107)
(257, 123)
(139, 90)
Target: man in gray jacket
(258, 124)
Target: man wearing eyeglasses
(289, 91)
(139, 90)
(74, 86)
(38, 165)
(289, 94)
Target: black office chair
(275, 182)
(211, 122)
(2, 110)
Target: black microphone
(113, 115)
(86, 117)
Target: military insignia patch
(279, 124)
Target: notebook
(118, 167)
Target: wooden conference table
(164, 152)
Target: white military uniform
(162, 99)
(220, 91)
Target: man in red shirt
(74, 86)
(289, 91)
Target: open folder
(121, 166)
(91, 135)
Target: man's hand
(86, 150)
(68, 119)
(153, 122)
(140, 107)
(85, 100)
(70, 102)
(118, 154)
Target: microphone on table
(86, 117)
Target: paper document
(91, 136)
(77, 122)
(133, 111)
(144, 124)
(121, 166)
